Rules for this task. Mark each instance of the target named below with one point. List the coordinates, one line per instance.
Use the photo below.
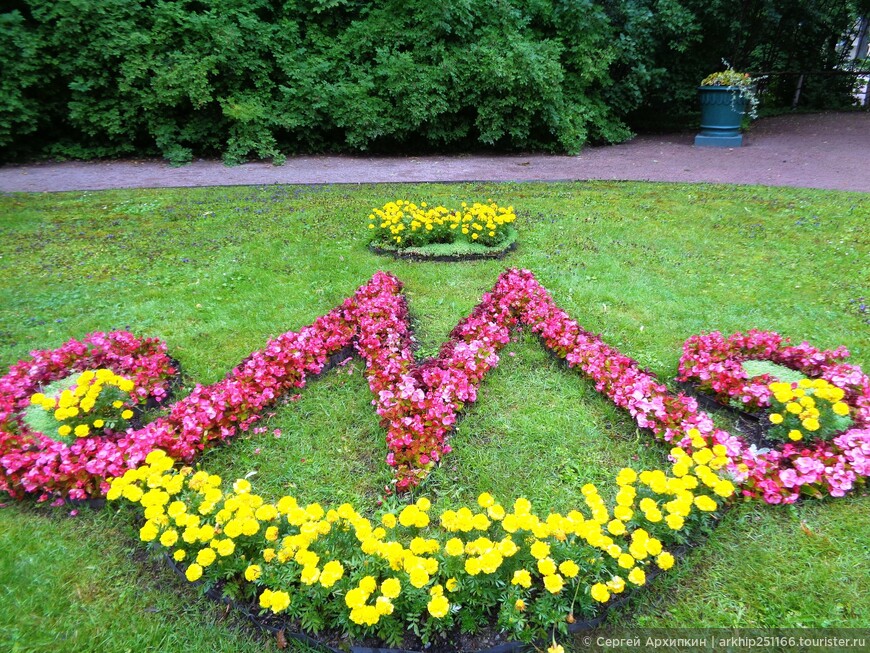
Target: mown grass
(216, 272)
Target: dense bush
(264, 77)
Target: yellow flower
(391, 588)
(280, 601)
(840, 408)
(569, 568)
(637, 576)
(98, 423)
(626, 561)
(383, 605)
(82, 430)
(705, 503)
(66, 429)
(522, 578)
(388, 520)
(776, 418)
(520, 605)
(616, 527)
(193, 573)
(795, 435)
(546, 566)
(810, 424)
(309, 575)
(438, 607)
(127, 414)
(793, 407)
(540, 550)
(117, 404)
(555, 648)
(665, 560)
(253, 572)
(205, 557)
(600, 593)
(554, 583)
(451, 584)
(169, 538)
(226, 547)
(179, 555)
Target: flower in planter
(742, 83)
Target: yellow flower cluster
(401, 220)
(801, 408)
(413, 551)
(79, 400)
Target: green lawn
(217, 271)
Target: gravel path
(825, 150)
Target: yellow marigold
(451, 584)
(724, 488)
(569, 568)
(391, 588)
(496, 512)
(616, 584)
(179, 555)
(546, 566)
(383, 605)
(355, 598)
(419, 577)
(540, 550)
(169, 538)
(148, 532)
(205, 557)
(127, 414)
(637, 576)
(795, 435)
(82, 430)
(520, 605)
(775, 418)
(554, 583)
(438, 606)
(705, 503)
(309, 575)
(810, 424)
(616, 527)
(252, 573)
(522, 578)
(600, 592)
(280, 601)
(626, 561)
(193, 572)
(665, 560)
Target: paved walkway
(826, 150)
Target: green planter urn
(722, 109)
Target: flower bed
(714, 362)
(419, 570)
(419, 403)
(33, 462)
(406, 230)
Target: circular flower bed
(33, 462)
(815, 468)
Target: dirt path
(826, 150)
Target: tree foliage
(263, 78)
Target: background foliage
(264, 78)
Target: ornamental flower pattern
(419, 403)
